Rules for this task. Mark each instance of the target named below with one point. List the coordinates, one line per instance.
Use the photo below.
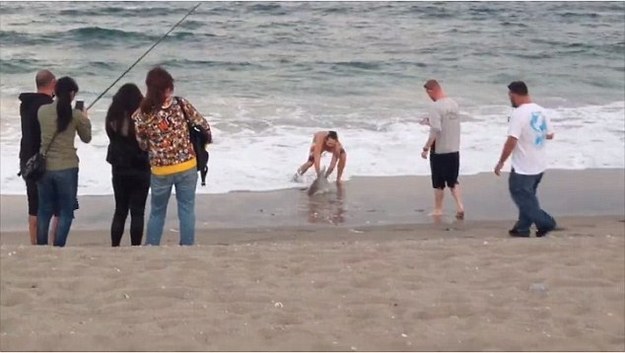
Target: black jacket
(124, 154)
(31, 132)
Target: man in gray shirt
(443, 146)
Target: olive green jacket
(62, 154)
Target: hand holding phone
(80, 105)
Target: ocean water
(268, 75)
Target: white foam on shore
(586, 138)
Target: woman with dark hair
(130, 165)
(162, 129)
(58, 187)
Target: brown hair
(157, 81)
(431, 84)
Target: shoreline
(364, 201)
(351, 179)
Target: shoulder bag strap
(50, 144)
(183, 111)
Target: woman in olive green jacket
(58, 186)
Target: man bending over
(325, 141)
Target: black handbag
(199, 139)
(35, 166)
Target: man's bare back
(325, 141)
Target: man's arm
(550, 133)
(335, 159)
(508, 147)
(515, 129)
(35, 133)
(317, 153)
(435, 129)
(430, 141)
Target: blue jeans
(57, 191)
(523, 191)
(185, 183)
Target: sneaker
(541, 232)
(516, 233)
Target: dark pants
(57, 190)
(131, 192)
(523, 191)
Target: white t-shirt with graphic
(530, 125)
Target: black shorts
(445, 168)
(33, 198)
(311, 157)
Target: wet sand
(363, 201)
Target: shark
(321, 185)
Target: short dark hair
(431, 84)
(518, 87)
(333, 135)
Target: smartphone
(80, 105)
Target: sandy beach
(380, 276)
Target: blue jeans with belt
(161, 185)
(57, 191)
(523, 191)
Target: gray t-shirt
(445, 125)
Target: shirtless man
(325, 141)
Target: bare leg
(438, 202)
(455, 192)
(304, 167)
(342, 162)
(32, 229)
(55, 226)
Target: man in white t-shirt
(528, 133)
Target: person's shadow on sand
(327, 208)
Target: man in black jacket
(31, 141)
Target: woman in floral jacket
(161, 125)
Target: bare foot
(460, 215)
(436, 213)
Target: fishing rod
(144, 54)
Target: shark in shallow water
(321, 185)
